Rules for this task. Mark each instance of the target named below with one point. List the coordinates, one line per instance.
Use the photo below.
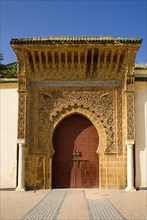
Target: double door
(75, 162)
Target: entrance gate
(75, 162)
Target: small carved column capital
(20, 141)
(129, 142)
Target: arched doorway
(75, 162)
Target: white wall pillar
(145, 110)
(21, 186)
(145, 184)
(130, 165)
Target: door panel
(75, 162)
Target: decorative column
(21, 132)
(130, 165)
(21, 186)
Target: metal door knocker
(76, 153)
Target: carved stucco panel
(21, 115)
(51, 103)
(130, 116)
(32, 121)
(119, 121)
(45, 105)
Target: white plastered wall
(8, 134)
(141, 134)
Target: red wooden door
(75, 162)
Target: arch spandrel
(85, 113)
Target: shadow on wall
(140, 148)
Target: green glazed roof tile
(140, 66)
(12, 65)
(77, 40)
(9, 70)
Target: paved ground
(16, 204)
(118, 204)
(82, 204)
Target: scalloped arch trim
(86, 113)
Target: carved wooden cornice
(69, 60)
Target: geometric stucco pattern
(130, 116)
(119, 121)
(51, 103)
(21, 115)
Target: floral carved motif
(21, 115)
(32, 122)
(52, 103)
(119, 121)
(130, 116)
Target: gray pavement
(76, 204)
(48, 208)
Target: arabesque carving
(130, 116)
(119, 121)
(21, 115)
(52, 103)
